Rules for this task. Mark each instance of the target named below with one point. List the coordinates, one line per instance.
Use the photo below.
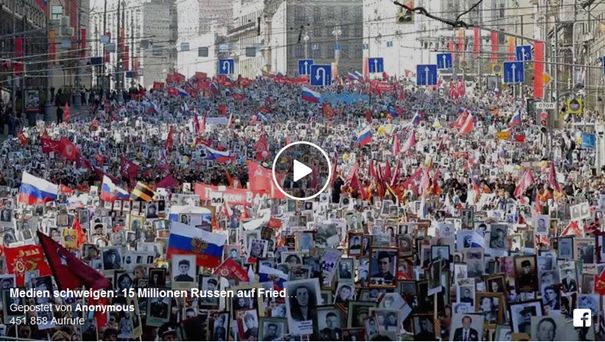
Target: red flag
(476, 41)
(451, 48)
(353, 180)
(537, 204)
(385, 76)
(368, 115)
(494, 47)
(469, 125)
(396, 146)
(231, 269)
(50, 145)
(334, 171)
(68, 150)
(327, 110)
(274, 223)
(527, 179)
(81, 237)
(238, 97)
(22, 259)
(387, 174)
(552, 177)
(22, 138)
(510, 54)
(539, 70)
(66, 113)
(128, 169)
(261, 146)
(371, 170)
(169, 140)
(196, 125)
(222, 109)
(64, 189)
(69, 271)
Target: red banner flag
(68, 150)
(539, 70)
(23, 259)
(52, 48)
(66, 113)
(69, 271)
(19, 55)
(50, 145)
(128, 169)
(126, 58)
(510, 53)
(82, 42)
(476, 41)
(169, 140)
(231, 270)
(495, 47)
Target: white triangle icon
(300, 170)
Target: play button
(305, 169)
(301, 170)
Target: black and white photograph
(565, 245)
(423, 328)
(208, 284)
(272, 329)
(345, 292)
(466, 327)
(183, 271)
(541, 224)
(158, 311)
(383, 267)
(257, 248)
(247, 324)
(358, 312)
(498, 235)
(526, 278)
(220, 327)
(329, 323)
(304, 297)
(355, 244)
(112, 259)
(157, 277)
(521, 315)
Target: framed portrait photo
(383, 267)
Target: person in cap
(525, 319)
(526, 279)
(167, 332)
(184, 270)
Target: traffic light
(405, 16)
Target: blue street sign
(444, 61)
(304, 66)
(337, 46)
(426, 74)
(321, 74)
(376, 65)
(603, 59)
(523, 52)
(226, 66)
(514, 72)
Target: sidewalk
(82, 112)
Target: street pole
(14, 79)
(77, 95)
(103, 76)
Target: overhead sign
(426, 74)
(304, 66)
(514, 72)
(523, 53)
(226, 66)
(376, 65)
(444, 61)
(546, 105)
(321, 74)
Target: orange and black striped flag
(142, 192)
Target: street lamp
(306, 40)
(336, 33)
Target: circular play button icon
(304, 170)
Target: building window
(502, 11)
(300, 51)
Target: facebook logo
(582, 318)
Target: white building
(402, 45)
(150, 35)
(202, 26)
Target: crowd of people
(458, 216)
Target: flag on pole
(142, 192)
(69, 271)
(410, 142)
(396, 147)
(66, 113)
(35, 190)
(364, 137)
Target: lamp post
(306, 40)
(336, 33)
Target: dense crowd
(462, 217)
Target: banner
(24, 260)
(221, 194)
(261, 181)
(32, 101)
(495, 47)
(83, 43)
(476, 41)
(217, 120)
(539, 70)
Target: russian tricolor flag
(207, 246)
(416, 119)
(365, 136)
(310, 95)
(36, 190)
(111, 192)
(515, 120)
(219, 156)
(182, 92)
(355, 76)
